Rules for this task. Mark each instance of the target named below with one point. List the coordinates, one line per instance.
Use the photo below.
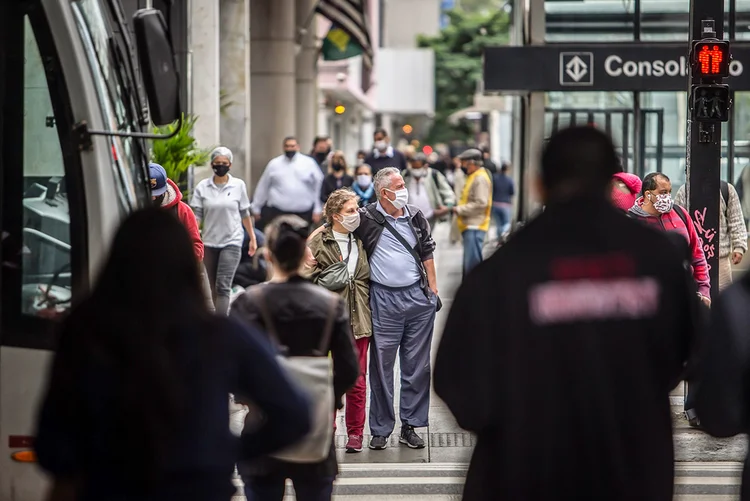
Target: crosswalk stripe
(694, 481)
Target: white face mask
(421, 172)
(364, 181)
(350, 222)
(402, 198)
(381, 145)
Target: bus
(81, 87)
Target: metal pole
(703, 158)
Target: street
(707, 469)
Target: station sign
(630, 66)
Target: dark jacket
(252, 270)
(503, 188)
(83, 423)
(370, 229)
(398, 160)
(300, 309)
(546, 338)
(332, 183)
(723, 391)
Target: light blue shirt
(391, 264)
(290, 185)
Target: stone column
(386, 122)
(367, 130)
(272, 80)
(324, 115)
(307, 75)
(535, 109)
(235, 83)
(204, 28)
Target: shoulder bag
(314, 376)
(336, 277)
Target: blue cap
(158, 179)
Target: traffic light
(711, 59)
(711, 103)
(710, 100)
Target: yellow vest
(484, 225)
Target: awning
(349, 16)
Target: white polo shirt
(221, 207)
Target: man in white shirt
(290, 184)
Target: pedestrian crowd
(325, 275)
(257, 321)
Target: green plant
(178, 153)
(458, 65)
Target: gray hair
(222, 151)
(382, 179)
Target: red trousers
(356, 398)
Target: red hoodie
(173, 200)
(671, 221)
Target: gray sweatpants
(221, 265)
(403, 321)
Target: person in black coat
(299, 311)
(722, 395)
(252, 270)
(337, 176)
(574, 365)
(136, 403)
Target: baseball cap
(157, 179)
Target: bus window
(41, 249)
(46, 217)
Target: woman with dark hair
(338, 176)
(298, 314)
(136, 406)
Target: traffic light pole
(703, 156)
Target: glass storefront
(650, 127)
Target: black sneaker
(378, 443)
(410, 438)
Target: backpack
(314, 376)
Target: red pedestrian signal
(711, 59)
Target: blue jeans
(273, 487)
(473, 241)
(502, 218)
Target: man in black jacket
(561, 349)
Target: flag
(347, 18)
(338, 44)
